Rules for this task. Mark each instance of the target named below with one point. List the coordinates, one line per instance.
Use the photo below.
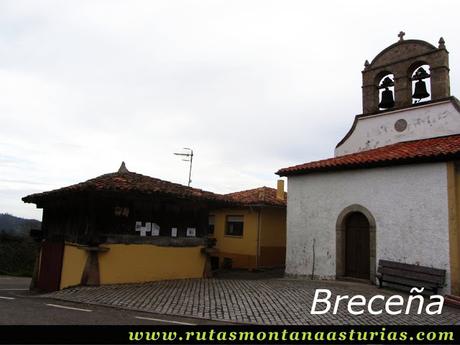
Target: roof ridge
(128, 181)
(153, 178)
(250, 190)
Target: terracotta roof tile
(258, 196)
(417, 151)
(125, 181)
(128, 182)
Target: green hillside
(17, 249)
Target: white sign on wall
(191, 232)
(143, 230)
(153, 228)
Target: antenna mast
(188, 158)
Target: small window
(211, 222)
(234, 226)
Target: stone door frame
(341, 240)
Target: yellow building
(253, 234)
(125, 227)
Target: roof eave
(394, 162)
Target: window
(234, 226)
(211, 222)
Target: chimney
(280, 190)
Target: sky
(251, 86)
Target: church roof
(263, 196)
(417, 151)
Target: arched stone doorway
(355, 236)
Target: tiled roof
(125, 181)
(417, 151)
(258, 196)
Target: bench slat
(414, 268)
(411, 275)
(408, 282)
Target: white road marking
(65, 307)
(1, 297)
(161, 320)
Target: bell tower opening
(421, 84)
(386, 92)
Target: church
(392, 189)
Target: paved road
(19, 307)
(258, 301)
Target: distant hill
(17, 226)
(17, 249)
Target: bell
(420, 74)
(420, 91)
(387, 99)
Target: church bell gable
(400, 63)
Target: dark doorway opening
(214, 263)
(357, 246)
(49, 278)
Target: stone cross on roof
(401, 35)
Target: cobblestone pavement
(269, 301)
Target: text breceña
(393, 305)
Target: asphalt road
(20, 307)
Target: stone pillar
(370, 98)
(439, 71)
(90, 274)
(440, 85)
(403, 91)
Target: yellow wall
(73, 264)
(132, 263)
(453, 179)
(272, 251)
(244, 250)
(274, 227)
(241, 249)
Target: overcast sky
(251, 86)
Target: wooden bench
(410, 275)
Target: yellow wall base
(134, 263)
(239, 260)
(272, 256)
(73, 264)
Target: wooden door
(49, 276)
(357, 246)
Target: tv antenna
(188, 157)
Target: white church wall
(424, 121)
(409, 204)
